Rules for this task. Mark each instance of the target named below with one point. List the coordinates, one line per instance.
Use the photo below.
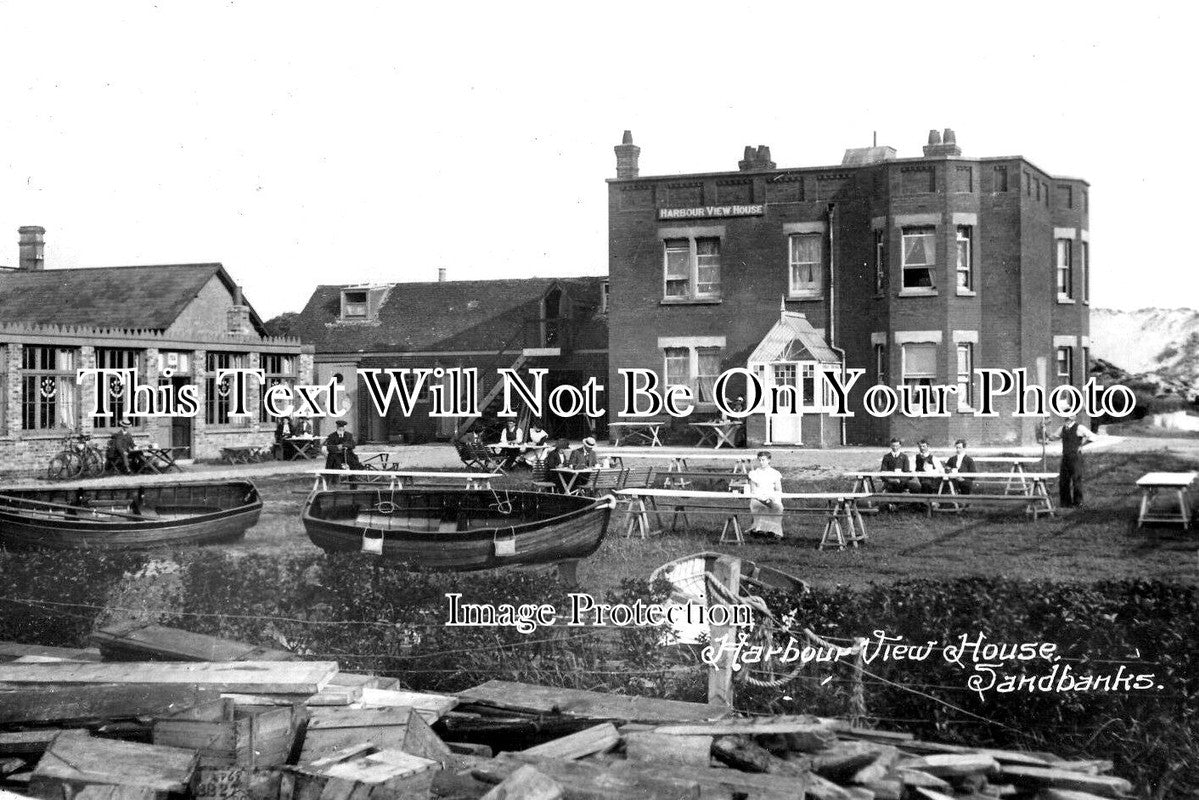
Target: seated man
(584, 458)
(340, 448)
(558, 457)
(928, 464)
(120, 452)
(960, 462)
(895, 460)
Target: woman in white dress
(766, 490)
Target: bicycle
(78, 458)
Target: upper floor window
(965, 247)
(919, 257)
(692, 268)
(880, 261)
(605, 293)
(806, 263)
(1065, 269)
(353, 304)
(49, 394)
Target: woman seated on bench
(766, 490)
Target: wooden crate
(74, 761)
(362, 772)
(333, 729)
(227, 735)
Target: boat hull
(152, 515)
(458, 530)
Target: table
(297, 447)
(398, 480)
(1035, 486)
(1177, 482)
(717, 433)
(157, 460)
(569, 476)
(838, 508)
(638, 431)
(742, 462)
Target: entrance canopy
(792, 339)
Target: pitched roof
(792, 339)
(136, 298)
(447, 316)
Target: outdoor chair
(541, 479)
(477, 456)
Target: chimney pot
(32, 248)
(949, 136)
(441, 270)
(934, 137)
(627, 155)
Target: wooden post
(727, 571)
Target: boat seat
(448, 526)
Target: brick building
(920, 270)
(190, 319)
(559, 325)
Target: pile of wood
(196, 716)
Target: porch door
(785, 428)
(181, 427)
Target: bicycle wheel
(64, 466)
(92, 462)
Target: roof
(133, 298)
(792, 339)
(446, 316)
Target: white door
(784, 428)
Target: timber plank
(525, 784)
(1042, 777)
(51, 704)
(137, 641)
(582, 781)
(662, 748)
(11, 651)
(713, 780)
(73, 760)
(30, 743)
(950, 765)
(755, 727)
(596, 739)
(588, 705)
(254, 677)
(431, 706)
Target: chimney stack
(755, 158)
(939, 145)
(627, 155)
(238, 316)
(32, 247)
(441, 274)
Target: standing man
(960, 462)
(340, 448)
(1073, 437)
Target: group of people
(924, 471)
(520, 448)
(339, 445)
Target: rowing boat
(128, 517)
(458, 529)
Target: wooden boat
(128, 517)
(458, 529)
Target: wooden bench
(684, 479)
(1034, 505)
(838, 508)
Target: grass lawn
(1097, 542)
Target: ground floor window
(919, 364)
(49, 394)
(696, 367)
(218, 395)
(120, 396)
(965, 353)
(1065, 364)
(279, 370)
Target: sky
(304, 143)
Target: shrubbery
(371, 618)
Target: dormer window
(353, 304)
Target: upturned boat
(129, 517)
(458, 529)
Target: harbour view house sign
(712, 211)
